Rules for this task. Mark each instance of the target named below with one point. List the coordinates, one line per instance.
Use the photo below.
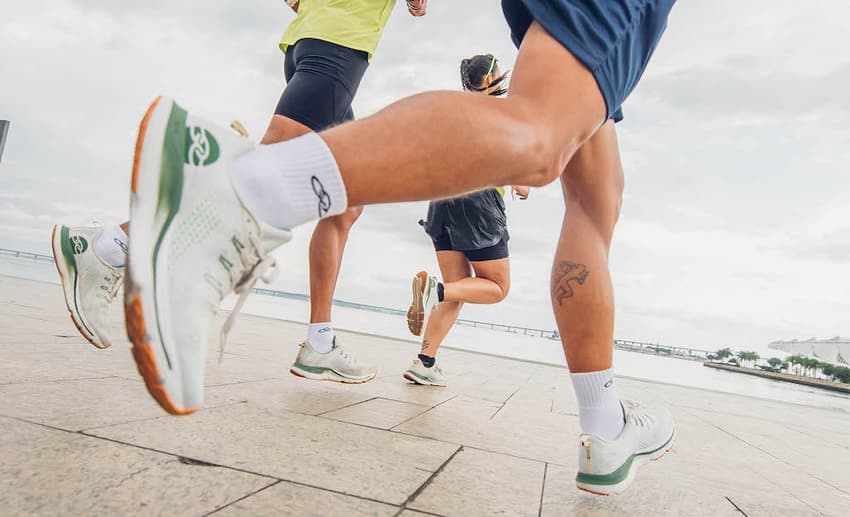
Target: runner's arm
(416, 7)
(520, 191)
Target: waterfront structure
(834, 350)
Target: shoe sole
(637, 462)
(328, 375)
(137, 324)
(416, 312)
(69, 281)
(416, 380)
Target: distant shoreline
(783, 377)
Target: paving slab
(80, 422)
(50, 472)
(478, 482)
(380, 413)
(286, 498)
(321, 452)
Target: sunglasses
(501, 90)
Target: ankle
(427, 361)
(110, 246)
(599, 408)
(321, 336)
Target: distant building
(834, 350)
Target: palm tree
(797, 360)
(775, 363)
(743, 357)
(828, 369)
(722, 354)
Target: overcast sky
(736, 143)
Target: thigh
(322, 79)
(453, 265)
(497, 270)
(613, 40)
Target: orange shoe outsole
(133, 313)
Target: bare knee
(346, 220)
(504, 286)
(542, 147)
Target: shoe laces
(111, 284)
(345, 355)
(638, 414)
(258, 266)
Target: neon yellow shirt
(356, 24)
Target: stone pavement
(79, 435)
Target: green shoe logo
(202, 148)
(80, 244)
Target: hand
(416, 7)
(293, 4)
(518, 191)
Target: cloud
(734, 226)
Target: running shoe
(193, 243)
(336, 365)
(609, 466)
(424, 300)
(88, 283)
(418, 373)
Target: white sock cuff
(593, 388)
(290, 183)
(111, 245)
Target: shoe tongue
(272, 237)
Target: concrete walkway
(79, 435)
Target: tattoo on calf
(425, 346)
(564, 273)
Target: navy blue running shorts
(614, 39)
(321, 81)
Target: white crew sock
(111, 246)
(321, 336)
(290, 183)
(599, 409)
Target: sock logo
(80, 244)
(121, 244)
(322, 194)
(324, 329)
(202, 148)
(609, 383)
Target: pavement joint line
(147, 419)
(777, 458)
(41, 424)
(422, 413)
(246, 496)
(735, 505)
(543, 488)
(205, 463)
(428, 481)
(241, 382)
(503, 404)
(517, 456)
(345, 406)
(49, 381)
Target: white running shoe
(336, 365)
(424, 300)
(418, 373)
(193, 243)
(609, 466)
(88, 283)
